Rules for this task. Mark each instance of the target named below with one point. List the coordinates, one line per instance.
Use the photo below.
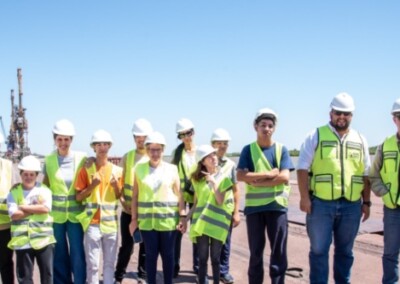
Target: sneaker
(226, 278)
(141, 280)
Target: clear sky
(103, 64)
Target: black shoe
(226, 278)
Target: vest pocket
(329, 150)
(390, 162)
(357, 185)
(353, 151)
(323, 185)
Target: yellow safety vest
(338, 167)
(128, 179)
(5, 185)
(390, 171)
(35, 229)
(187, 197)
(209, 218)
(158, 208)
(107, 203)
(64, 207)
(259, 196)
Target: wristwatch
(368, 203)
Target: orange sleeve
(82, 180)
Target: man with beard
(335, 193)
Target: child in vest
(29, 205)
(211, 216)
(98, 186)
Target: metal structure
(17, 140)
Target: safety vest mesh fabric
(187, 197)
(64, 207)
(158, 208)
(338, 167)
(35, 229)
(390, 171)
(209, 218)
(259, 196)
(106, 202)
(5, 185)
(128, 179)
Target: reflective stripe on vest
(338, 167)
(226, 170)
(390, 171)
(158, 209)
(209, 218)
(5, 185)
(64, 206)
(259, 196)
(107, 203)
(35, 229)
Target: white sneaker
(141, 280)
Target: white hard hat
(64, 127)
(141, 127)
(156, 138)
(396, 106)
(30, 163)
(101, 136)
(203, 151)
(220, 134)
(343, 102)
(1, 138)
(183, 124)
(266, 113)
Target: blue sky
(103, 64)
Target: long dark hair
(178, 154)
(198, 174)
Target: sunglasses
(186, 134)
(339, 113)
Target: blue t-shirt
(246, 164)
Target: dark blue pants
(177, 254)
(276, 224)
(126, 250)
(208, 247)
(162, 243)
(6, 257)
(225, 253)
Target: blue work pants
(391, 239)
(276, 224)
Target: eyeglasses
(101, 143)
(186, 134)
(397, 115)
(339, 113)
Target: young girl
(211, 216)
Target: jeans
(69, 254)
(276, 224)
(95, 241)
(177, 253)
(207, 245)
(391, 239)
(340, 219)
(126, 250)
(6, 257)
(26, 261)
(225, 254)
(157, 242)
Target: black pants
(177, 254)
(208, 246)
(126, 250)
(26, 261)
(277, 229)
(6, 255)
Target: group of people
(66, 221)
